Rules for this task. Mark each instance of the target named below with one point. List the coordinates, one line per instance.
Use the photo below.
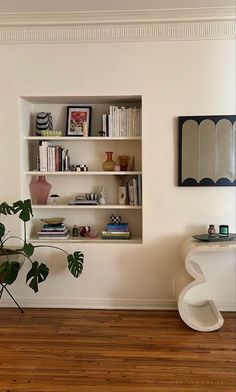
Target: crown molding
(118, 26)
(125, 16)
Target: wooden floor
(66, 350)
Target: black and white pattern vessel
(43, 122)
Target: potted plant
(9, 256)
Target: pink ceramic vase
(39, 190)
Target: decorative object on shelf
(84, 231)
(85, 129)
(40, 190)
(117, 168)
(66, 161)
(53, 221)
(101, 133)
(75, 231)
(211, 230)
(91, 196)
(115, 219)
(216, 238)
(38, 272)
(109, 164)
(54, 132)
(76, 117)
(43, 122)
(93, 234)
(224, 230)
(124, 161)
(81, 168)
(132, 164)
(122, 195)
(207, 150)
(102, 197)
(54, 198)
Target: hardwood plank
(58, 350)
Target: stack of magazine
(53, 231)
(116, 231)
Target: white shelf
(99, 207)
(97, 240)
(90, 150)
(87, 173)
(74, 138)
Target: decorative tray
(53, 221)
(216, 238)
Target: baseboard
(108, 303)
(93, 303)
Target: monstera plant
(9, 264)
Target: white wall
(175, 78)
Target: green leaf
(5, 209)
(2, 230)
(37, 274)
(25, 209)
(9, 271)
(75, 263)
(28, 249)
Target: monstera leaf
(36, 275)
(5, 209)
(2, 230)
(28, 249)
(9, 271)
(25, 209)
(75, 263)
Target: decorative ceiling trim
(116, 16)
(118, 26)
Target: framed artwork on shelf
(78, 120)
(207, 150)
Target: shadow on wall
(148, 271)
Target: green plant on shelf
(9, 255)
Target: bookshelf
(83, 150)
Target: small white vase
(122, 195)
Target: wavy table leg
(205, 316)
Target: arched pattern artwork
(207, 150)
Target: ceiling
(35, 6)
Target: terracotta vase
(109, 164)
(40, 190)
(123, 162)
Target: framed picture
(78, 120)
(207, 150)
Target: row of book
(50, 231)
(122, 122)
(116, 231)
(51, 157)
(134, 191)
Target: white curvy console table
(204, 316)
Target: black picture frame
(75, 119)
(207, 150)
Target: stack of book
(49, 231)
(83, 202)
(116, 231)
(122, 121)
(134, 191)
